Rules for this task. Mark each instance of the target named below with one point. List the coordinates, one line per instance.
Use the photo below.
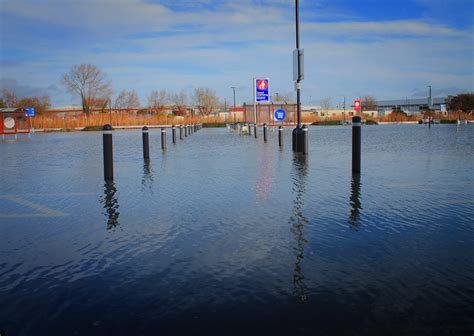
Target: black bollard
(255, 128)
(265, 132)
(146, 143)
(250, 131)
(181, 132)
(280, 136)
(304, 140)
(108, 153)
(294, 139)
(163, 138)
(356, 143)
(186, 131)
(173, 133)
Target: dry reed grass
(55, 120)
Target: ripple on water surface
(224, 231)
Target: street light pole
(299, 135)
(110, 111)
(298, 97)
(429, 108)
(344, 113)
(233, 88)
(225, 111)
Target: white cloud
(149, 46)
(383, 28)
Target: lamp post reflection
(111, 205)
(355, 202)
(298, 222)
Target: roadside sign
(298, 57)
(357, 105)
(280, 114)
(261, 90)
(30, 111)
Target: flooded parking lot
(223, 233)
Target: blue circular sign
(280, 114)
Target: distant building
(411, 106)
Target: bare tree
(126, 100)
(462, 102)
(89, 82)
(326, 105)
(368, 103)
(157, 101)
(179, 101)
(206, 100)
(40, 104)
(286, 97)
(9, 98)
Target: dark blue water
(225, 234)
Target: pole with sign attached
(260, 94)
(357, 105)
(298, 136)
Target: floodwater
(225, 234)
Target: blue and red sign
(261, 90)
(30, 111)
(280, 114)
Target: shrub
(92, 128)
(213, 125)
(328, 123)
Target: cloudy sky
(389, 49)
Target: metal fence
(266, 114)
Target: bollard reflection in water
(298, 222)
(111, 205)
(355, 202)
(147, 178)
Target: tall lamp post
(110, 111)
(233, 88)
(344, 112)
(299, 135)
(430, 104)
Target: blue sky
(388, 49)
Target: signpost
(260, 94)
(280, 114)
(299, 135)
(357, 105)
(30, 111)
(261, 90)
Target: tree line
(95, 91)
(9, 99)
(89, 83)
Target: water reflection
(298, 222)
(265, 171)
(147, 178)
(355, 202)
(111, 205)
